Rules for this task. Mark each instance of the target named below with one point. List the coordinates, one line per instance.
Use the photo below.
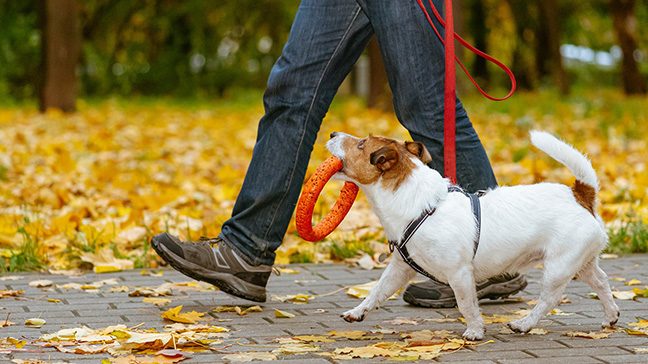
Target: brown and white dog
(521, 226)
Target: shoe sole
(493, 291)
(226, 282)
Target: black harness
(414, 225)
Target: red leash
(449, 108)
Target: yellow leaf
(362, 290)
(313, 339)
(355, 335)
(156, 301)
(239, 310)
(538, 331)
(283, 314)
(10, 293)
(294, 298)
(35, 322)
(641, 292)
(174, 314)
(286, 270)
(623, 295)
(588, 335)
(53, 300)
(633, 282)
(250, 356)
(41, 283)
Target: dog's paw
(519, 326)
(354, 315)
(610, 321)
(473, 334)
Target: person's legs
(414, 60)
(326, 39)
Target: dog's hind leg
(395, 276)
(557, 274)
(462, 283)
(596, 278)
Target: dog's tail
(586, 185)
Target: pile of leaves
(90, 189)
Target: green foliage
(26, 257)
(349, 249)
(630, 237)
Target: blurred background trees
(209, 48)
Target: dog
(521, 226)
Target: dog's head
(368, 159)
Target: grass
(25, 258)
(630, 237)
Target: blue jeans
(326, 39)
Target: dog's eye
(361, 144)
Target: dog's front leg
(462, 283)
(395, 276)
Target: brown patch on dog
(585, 195)
(366, 160)
(419, 150)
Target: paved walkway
(258, 331)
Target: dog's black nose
(334, 134)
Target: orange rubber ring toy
(310, 193)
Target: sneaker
(435, 294)
(214, 261)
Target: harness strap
(415, 224)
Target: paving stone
(258, 331)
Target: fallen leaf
(283, 314)
(641, 292)
(41, 283)
(104, 261)
(10, 292)
(624, 295)
(250, 356)
(286, 270)
(161, 290)
(366, 262)
(313, 339)
(53, 300)
(401, 321)
(35, 322)
(6, 323)
(442, 320)
(156, 301)
(588, 335)
(295, 348)
(239, 310)
(299, 298)
(558, 312)
(354, 335)
(362, 290)
(119, 289)
(174, 314)
(146, 272)
(538, 331)
(633, 282)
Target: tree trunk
(477, 27)
(625, 27)
(61, 47)
(521, 64)
(380, 95)
(549, 19)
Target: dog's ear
(419, 150)
(384, 158)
